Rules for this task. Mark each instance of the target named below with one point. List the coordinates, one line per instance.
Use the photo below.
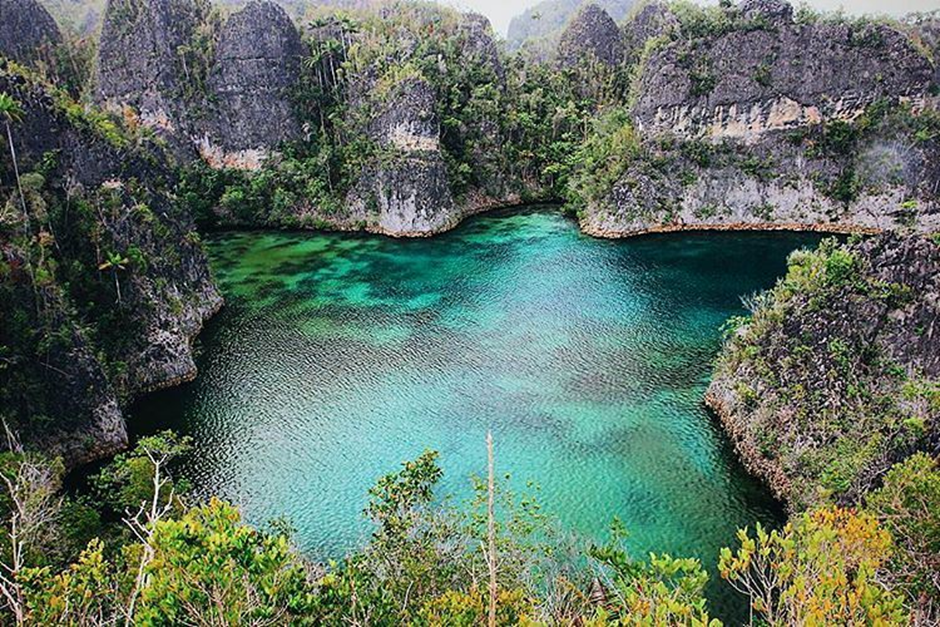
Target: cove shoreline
(750, 459)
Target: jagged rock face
(541, 24)
(928, 30)
(140, 64)
(776, 183)
(758, 99)
(771, 11)
(408, 120)
(406, 191)
(83, 420)
(27, 31)
(408, 197)
(478, 44)
(784, 75)
(592, 34)
(831, 381)
(163, 300)
(257, 64)
(653, 20)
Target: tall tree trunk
(491, 527)
(16, 172)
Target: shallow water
(339, 356)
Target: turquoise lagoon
(339, 356)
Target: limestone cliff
(151, 65)
(755, 120)
(27, 32)
(590, 36)
(652, 22)
(405, 191)
(217, 91)
(374, 124)
(256, 65)
(539, 27)
(769, 73)
(409, 188)
(836, 374)
(103, 274)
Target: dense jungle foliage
(132, 548)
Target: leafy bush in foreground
(427, 562)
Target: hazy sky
(501, 11)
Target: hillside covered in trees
(401, 119)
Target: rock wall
(478, 43)
(770, 74)
(406, 192)
(141, 66)
(652, 21)
(540, 26)
(591, 35)
(401, 184)
(884, 181)
(219, 92)
(257, 64)
(836, 375)
(127, 280)
(27, 31)
(737, 126)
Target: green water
(337, 357)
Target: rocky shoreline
(796, 227)
(835, 376)
(744, 117)
(770, 474)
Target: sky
(501, 11)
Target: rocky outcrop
(222, 92)
(653, 21)
(592, 35)
(72, 405)
(836, 375)
(477, 43)
(27, 31)
(881, 180)
(539, 26)
(151, 65)
(127, 281)
(768, 73)
(409, 175)
(257, 64)
(406, 191)
(926, 31)
(761, 123)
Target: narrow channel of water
(339, 356)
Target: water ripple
(339, 356)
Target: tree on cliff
(10, 112)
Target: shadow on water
(340, 355)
